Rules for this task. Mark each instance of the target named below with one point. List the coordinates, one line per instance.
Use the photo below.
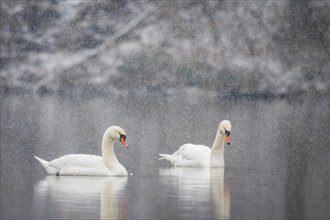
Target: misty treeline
(267, 48)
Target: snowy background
(221, 48)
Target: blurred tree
(235, 47)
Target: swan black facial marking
(122, 136)
(227, 132)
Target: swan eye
(227, 132)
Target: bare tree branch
(94, 53)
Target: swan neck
(219, 142)
(217, 150)
(108, 153)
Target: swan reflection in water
(81, 196)
(197, 185)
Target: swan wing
(80, 164)
(80, 160)
(190, 155)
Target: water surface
(277, 166)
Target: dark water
(277, 166)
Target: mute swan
(190, 155)
(91, 165)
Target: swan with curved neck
(190, 155)
(91, 165)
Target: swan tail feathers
(164, 156)
(49, 169)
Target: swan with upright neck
(190, 155)
(91, 165)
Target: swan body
(91, 165)
(191, 155)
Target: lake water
(277, 166)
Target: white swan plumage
(91, 165)
(191, 155)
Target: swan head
(225, 128)
(117, 133)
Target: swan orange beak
(227, 139)
(123, 141)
